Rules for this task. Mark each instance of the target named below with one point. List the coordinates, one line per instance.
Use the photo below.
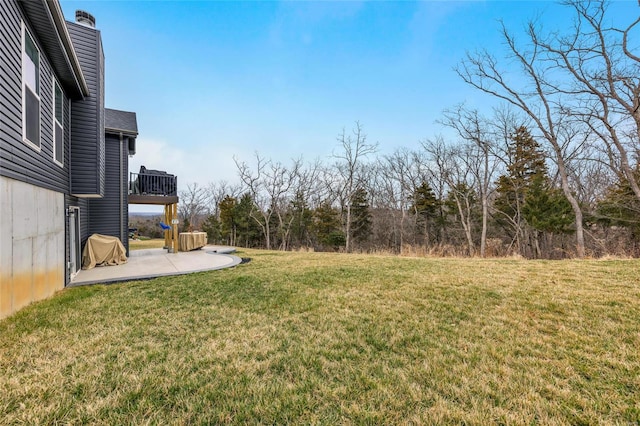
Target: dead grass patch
(146, 244)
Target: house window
(58, 128)
(30, 90)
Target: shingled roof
(120, 121)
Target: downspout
(121, 196)
(67, 205)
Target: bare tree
(589, 74)
(217, 191)
(538, 99)
(593, 175)
(386, 197)
(399, 175)
(194, 202)
(475, 129)
(602, 74)
(451, 163)
(354, 149)
(305, 189)
(505, 122)
(269, 185)
(309, 182)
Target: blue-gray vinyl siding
(83, 123)
(87, 116)
(110, 215)
(17, 159)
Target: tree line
(551, 172)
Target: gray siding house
(63, 156)
(109, 215)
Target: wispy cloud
(202, 164)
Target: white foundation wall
(32, 244)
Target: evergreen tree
(360, 216)
(425, 207)
(211, 226)
(228, 219)
(302, 221)
(620, 207)
(248, 230)
(526, 160)
(546, 209)
(527, 204)
(326, 225)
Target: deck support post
(167, 220)
(171, 235)
(174, 228)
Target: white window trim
(72, 275)
(24, 97)
(55, 120)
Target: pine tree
(228, 220)
(546, 210)
(360, 216)
(248, 230)
(425, 207)
(620, 207)
(211, 226)
(526, 160)
(302, 220)
(326, 225)
(527, 204)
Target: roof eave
(115, 131)
(47, 22)
(65, 40)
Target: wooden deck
(153, 199)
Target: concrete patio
(152, 263)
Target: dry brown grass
(146, 244)
(312, 338)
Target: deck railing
(162, 184)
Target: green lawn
(313, 338)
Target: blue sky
(213, 80)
